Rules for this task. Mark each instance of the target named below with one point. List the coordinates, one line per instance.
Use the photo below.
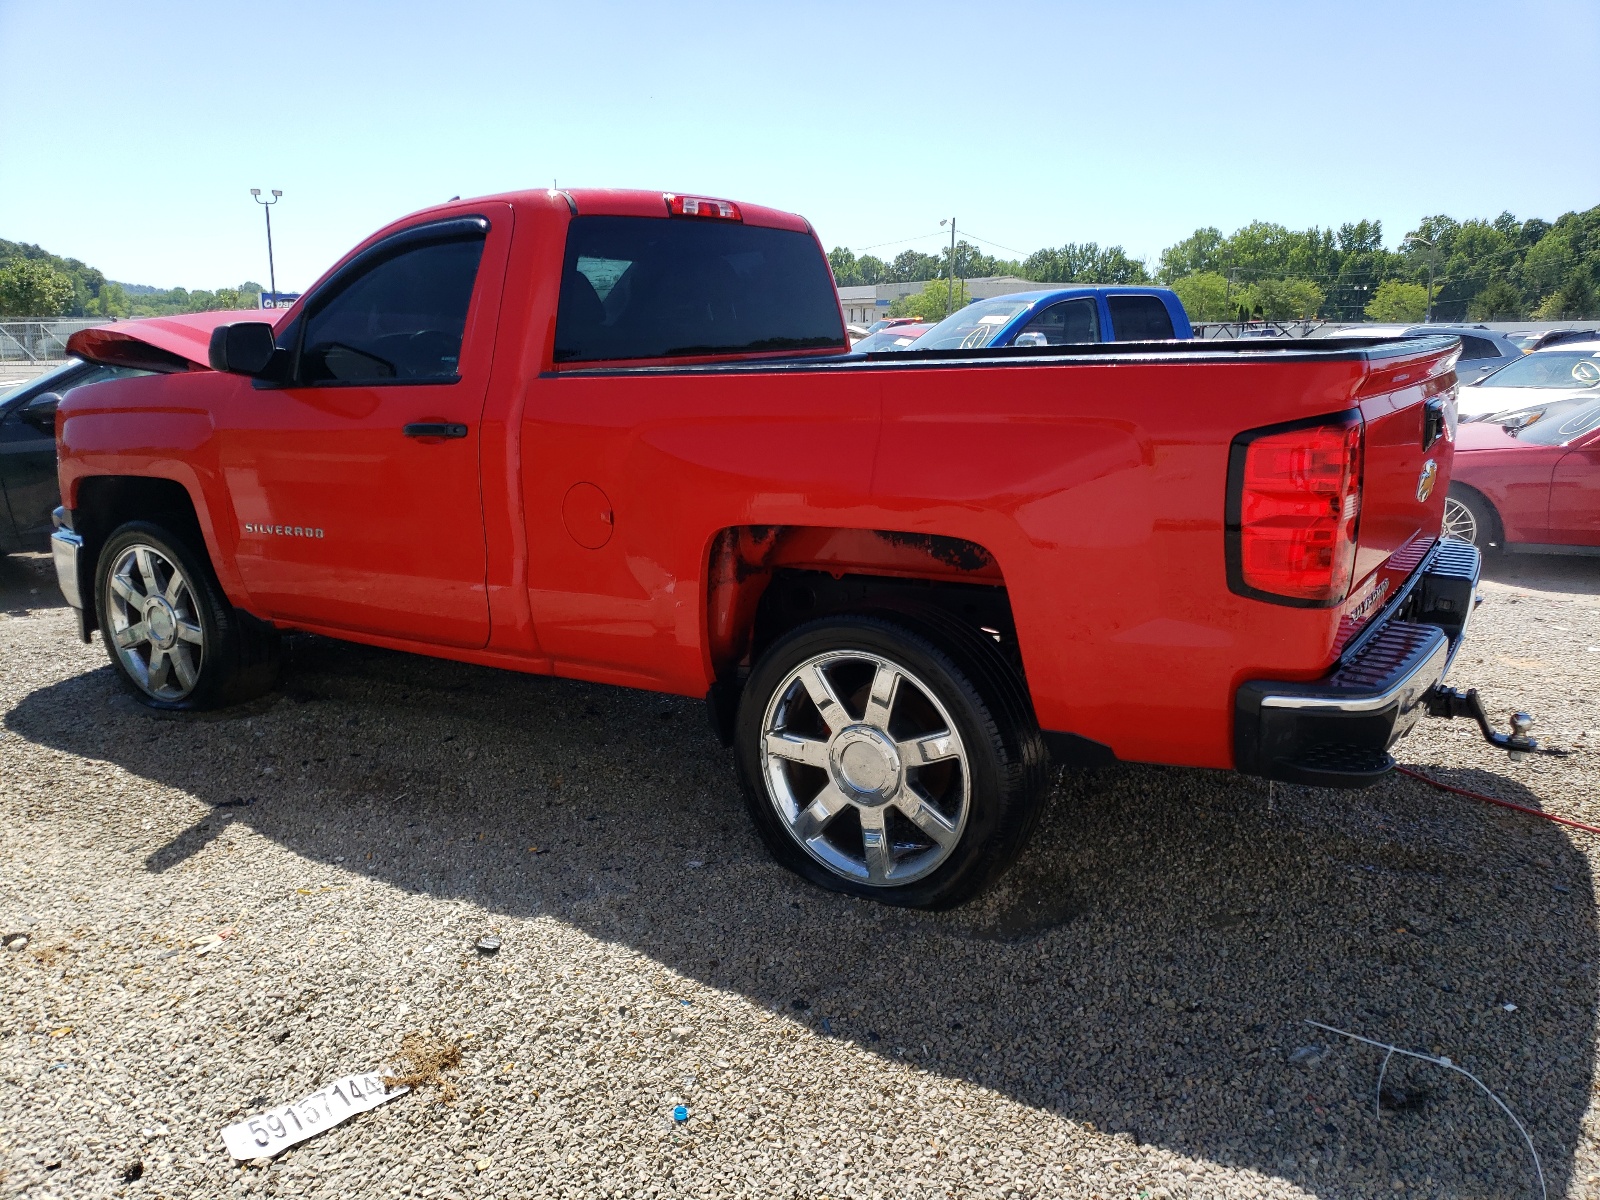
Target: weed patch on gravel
(424, 1058)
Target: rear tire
(916, 779)
(1468, 517)
(174, 639)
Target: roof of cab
(633, 202)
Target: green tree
(1286, 299)
(1398, 301)
(1574, 298)
(1085, 263)
(846, 271)
(1500, 300)
(930, 304)
(1205, 296)
(29, 288)
(913, 266)
(1198, 254)
(1548, 265)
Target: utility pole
(266, 207)
(950, 291)
(1433, 258)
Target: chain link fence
(40, 341)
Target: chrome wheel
(865, 768)
(1459, 522)
(154, 624)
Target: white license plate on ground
(279, 1128)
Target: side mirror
(40, 412)
(1031, 339)
(243, 348)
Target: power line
(900, 241)
(997, 245)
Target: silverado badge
(1425, 482)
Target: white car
(1564, 371)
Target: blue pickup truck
(1063, 316)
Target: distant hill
(93, 295)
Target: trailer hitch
(1443, 701)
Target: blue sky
(132, 133)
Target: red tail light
(702, 206)
(1294, 504)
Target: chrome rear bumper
(1336, 731)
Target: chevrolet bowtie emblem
(1425, 481)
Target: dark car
(1483, 350)
(28, 451)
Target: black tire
(1000, 754)
(1486, 534)
(236, 660)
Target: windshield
(11, 391)
(896, 337)
(975, 325)
(1549, 369)
(1553, 424)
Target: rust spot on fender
(952, 552)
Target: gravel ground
(1122, 1017)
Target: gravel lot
(1123, 1017)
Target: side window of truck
(644, 287)
(399, 321)
(1472, 347)
(1139, 319)
(1069, 323)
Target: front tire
(171, 634)
(891, 761)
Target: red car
(1529, 480)
(617, 436)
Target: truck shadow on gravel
(1146, 967)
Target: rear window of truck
(1139, 318)
(642, 287)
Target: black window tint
(1475, 347)
(400, 321)
(1139, 319)
(641, 287)
(1069, 323)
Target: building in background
(870, 302)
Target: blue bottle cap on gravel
(680, 1114)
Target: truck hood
(166, 344)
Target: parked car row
(1524, 483)
(28, 490)
(1070, 316)
(1527, 466)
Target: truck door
(356, 486)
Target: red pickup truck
(617, 436)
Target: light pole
(950, 292)
(266, 207)
(1433, 255)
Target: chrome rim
(155, 626)
(865, 768)
(1459, 523)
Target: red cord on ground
(1522, 808)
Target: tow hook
(1442, 701)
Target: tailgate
(1407, 404)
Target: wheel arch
(1498, 532)
(763, 580)
(102, 503)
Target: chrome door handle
(435, 429)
